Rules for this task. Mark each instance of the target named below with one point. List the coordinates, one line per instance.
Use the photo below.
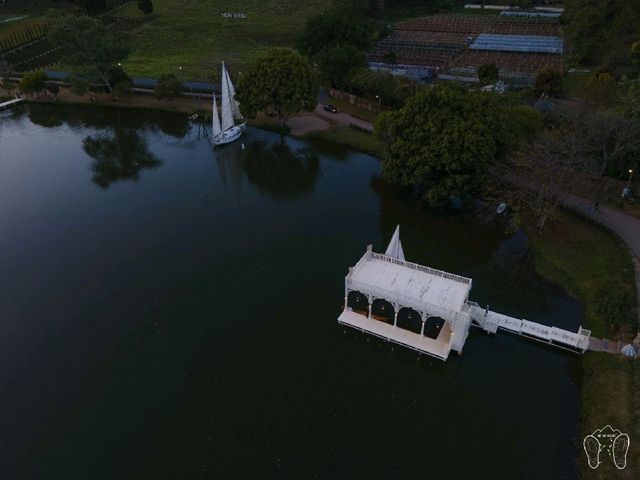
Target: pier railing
(421, 268)
(491, 321)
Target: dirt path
(343, 119)
(305, 123)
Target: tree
(32, 82)
(534, 177)
(168, 86)
(338, 39)
(92, 6)
(548, 82)
(442, 142)
(53, 87)
(8, 86)
(630, 100)
(281, 80)
(487, 74)
(88, 45)
(146, 6)
(122, 88)
(392, 90)
(602, 32)
(609, 137)
(79, 86)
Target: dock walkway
(10, 103)
(492, 321)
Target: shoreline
(308, 126)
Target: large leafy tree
(89, 46)
(282, 81)
(442, 142)
(33, 82)
(336, 40)
(602, 32)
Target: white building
(426, 309)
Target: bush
(488, 74)
(123, 88)
(548, 81)
(616, 305)
(392, 90)
(8, 85)
(168, 87)
(79, 86)
(53, 87)
(33, 82)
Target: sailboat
(225, 129)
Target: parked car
(330, 108)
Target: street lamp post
(379, 103)
(626, 192)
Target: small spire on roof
(395, 247)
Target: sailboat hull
(228, 136)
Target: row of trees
(604, 33)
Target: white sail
(216, 120)
(225, 102)
(235, 109)
(395, 247)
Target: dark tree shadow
(280, 171)
(120, 156)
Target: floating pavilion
(428, 310)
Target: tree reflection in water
(280, 171)
(120, 156)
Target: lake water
(167, 311)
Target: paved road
(626, 226)
(343, 119)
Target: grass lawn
(607, 390)
(585, 259)
(193, 34)
(350, 138)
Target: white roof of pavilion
(405, 280)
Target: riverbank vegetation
(604, 282)
(351, 138)
(594, 265)
(607, 396)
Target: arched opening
(432, 327)
(382, 310)
(358, 302)
(410, 320)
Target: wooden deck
(438, 348)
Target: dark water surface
(170, 312)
